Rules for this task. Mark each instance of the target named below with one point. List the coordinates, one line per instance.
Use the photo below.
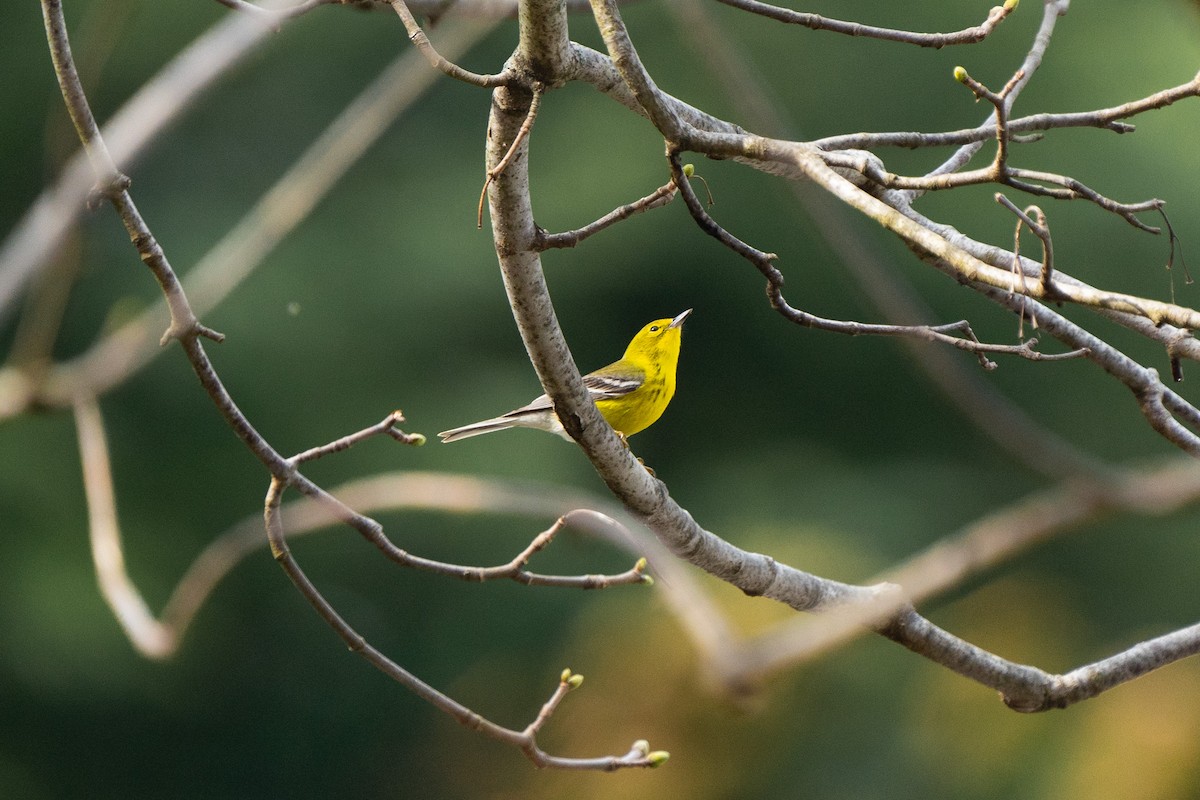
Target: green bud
(642, 747)
(640, 566)
(575, 681)
(960, 74)
(1011, 5)
(647, 580)
(416, 439)
(566, 675)
(689, 170)
(658, 758)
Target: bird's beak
(678, 321)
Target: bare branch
(423, 44)
(285, 205)
(1040, 230)
(151, 638)
(1051, 11)
(1021, 685)
(1104, 119)
(1158, 404)
(1036, 446)
(1029, 689)
(280, 11)
(985, 543)
(157, 104)
(453, 494)
(515, 239)
(525, 739)
(1178, 341)
(936, 40)
(634, 75)
(966, 339)
(522, 133)
(794, 158)
(158, 640)
(1061, 187)
(114, 185)
(373, 531)
(544, 61)
(659, 197)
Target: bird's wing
(608, 383)
(603, 384)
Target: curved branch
(516, 240)
(246, 246)
(276, 11)
(283, 472)
(435, 58)
(525, 739)
(816, 22)
(965, 340)
(156, 105)
(1025, 688)
(990, 540)
(1009, 427)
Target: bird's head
(658, 339)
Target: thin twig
(152, 638)
(1035, 219)
(435, 58)
(998, 101)
(444, 493)
(386, 426)
(522, 133)
(158, 103)
(966, 340)
(524, 739)
(282, 470)
(659, 197)
(515, 569)
(1014, 431)
(1061, 187)
(246, 246)
(279, 11)
(114, 185)
(818, 23)
(1104, 119)
(1051, 11)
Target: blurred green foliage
(830, 453)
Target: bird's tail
(475, 429)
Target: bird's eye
(653, 328)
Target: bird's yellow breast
(642, 407)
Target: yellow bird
(631, 393)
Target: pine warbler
(631, 393)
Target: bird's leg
(625, 441)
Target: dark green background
(830, 453)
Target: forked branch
(186, 328)
(638, 756)
(943, 334)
